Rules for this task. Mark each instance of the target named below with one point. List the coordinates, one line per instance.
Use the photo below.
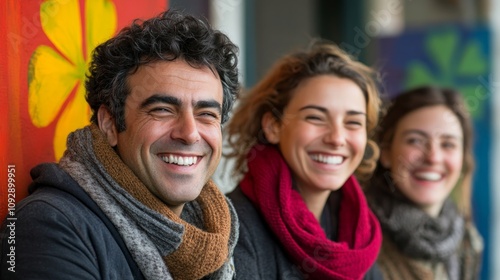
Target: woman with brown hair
(298, 137)
(421, 188)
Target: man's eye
(209, 115)
(159, 111)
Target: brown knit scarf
(201, 251)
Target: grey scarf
(417, 234)
(147, 234)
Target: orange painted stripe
(9, 130)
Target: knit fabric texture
(163, 244)
(416, 244)
(395, 265)
(268, 184)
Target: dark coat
(259, 254)
(69, 236)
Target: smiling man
(132, 196)
(172, 141)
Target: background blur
(411, 42)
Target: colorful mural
(455, 56)
(45, 56)
(64, 67)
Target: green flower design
(458, 65)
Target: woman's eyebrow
(324, 110)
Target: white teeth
(335, 160)
(428, 176)
(179, 160)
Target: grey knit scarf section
(147, 234)
(417, 234)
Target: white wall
(229, 17)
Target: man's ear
(271, 128)
(385, 158)
(107, 125)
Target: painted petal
(418, 74)
(51, 79)
(101, 21)
(441, 47)
(62, 24)
(472, 61)
(75, 115)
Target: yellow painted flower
(54, 74)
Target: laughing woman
(297, 138)
(426, 152)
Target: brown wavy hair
(275, 90)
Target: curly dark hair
(169, 36)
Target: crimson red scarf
(268, 184)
